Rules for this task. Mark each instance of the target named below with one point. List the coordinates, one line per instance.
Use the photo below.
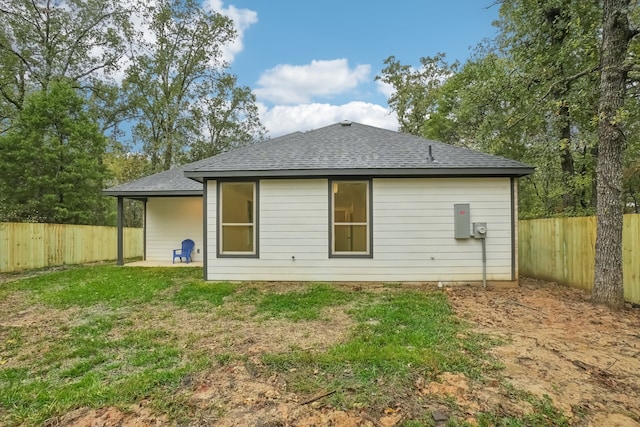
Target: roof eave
(309, 173)
(141, 194)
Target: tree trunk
(566, 158)
(608, 286)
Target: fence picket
(28, 245)
(563, 250)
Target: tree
(124, 167)
(415, 90)
(51, 161)
(616, 35)
(178, 86)
(231, 120)
(42, 41)
(553, 46)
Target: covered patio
(173, 211)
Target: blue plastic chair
(187, 248)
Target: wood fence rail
(563, 250)
(28, 245)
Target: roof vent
(345, 123)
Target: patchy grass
(398, 337)
(202, 296)
(109, 285)
(90, 367)
(544, 413)
(95, 359)
(106, 336)
(303, 305)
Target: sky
(314, 63)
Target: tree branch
(550, 90)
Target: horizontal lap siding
(413, 221)
(294, 217)
(170, 220)
(212, 232)
(412, 233)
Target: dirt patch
(6, 277)
(136, 416)
(232, 396)
(556, 344)
(28, 328)
(584, 357)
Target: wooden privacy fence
(563, 250)
(27, 245)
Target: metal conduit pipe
(484, 262)
(480, 232)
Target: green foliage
(415, 90)
(125, 167)
(228, 120)
(41, 43)
(177, 96)
(201, 296)
(51, 161)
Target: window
(350, 219)
(237, 218)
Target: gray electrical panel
(461, 221)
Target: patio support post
(119, 223)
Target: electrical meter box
(461, 221)
(479, 230)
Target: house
(346, 202)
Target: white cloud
(282, 119)
(242, 19)
(295, 84)
(385, 88)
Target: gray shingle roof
(167, 183)
(341, 149)
(353, 149)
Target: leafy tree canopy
(51, 168)
(530, 94)
(41, 41)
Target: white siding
(212, 215)
(170, 220)
(412, 233)
(515, 228)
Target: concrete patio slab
(163, 264)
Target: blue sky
(313, 63)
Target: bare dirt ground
(555, 343)
(586, 358)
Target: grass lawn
(106, 336)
